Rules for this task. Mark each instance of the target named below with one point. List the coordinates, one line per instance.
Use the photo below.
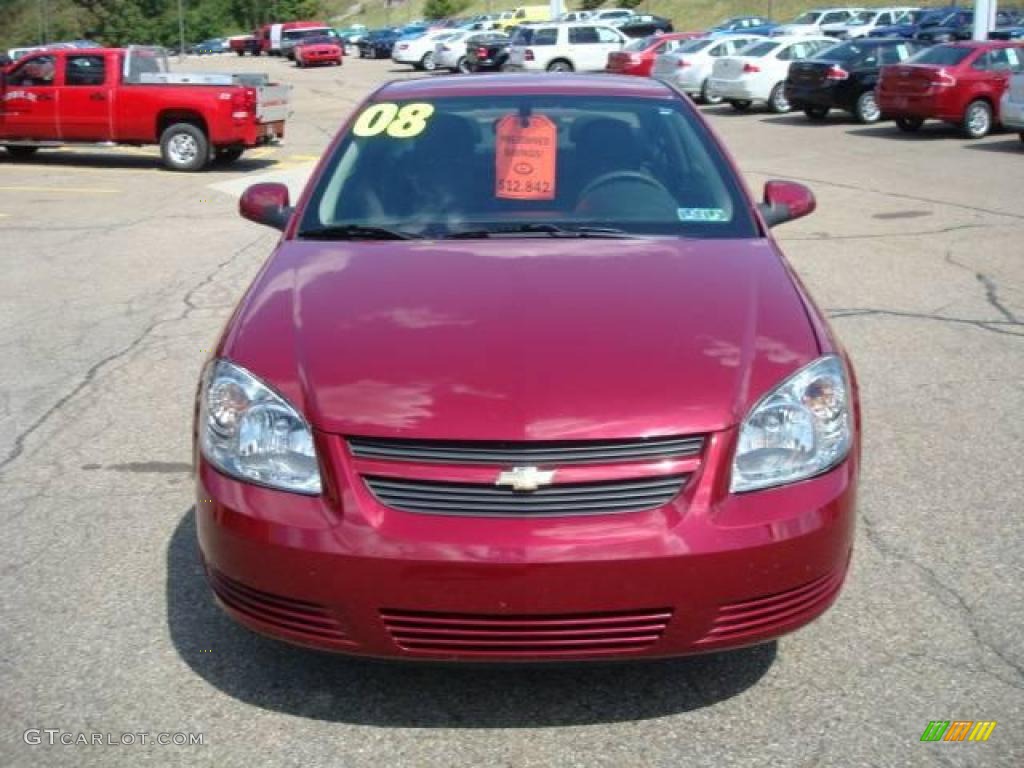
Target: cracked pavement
(119, 276)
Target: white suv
(579, 46)
(811, 22)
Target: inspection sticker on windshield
(525, 151)
(702, 214)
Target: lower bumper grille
(536, 635)
(737, 621)
(474, 499)
(295, 617)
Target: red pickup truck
(129, 96)
(243, 44)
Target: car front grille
(736, 622)
(480, 500)
(526, 453)
(297, 618)
(530, 635)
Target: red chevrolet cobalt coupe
(526, 378)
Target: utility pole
(181, 30)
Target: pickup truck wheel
(977, 119)
(184, 147)
(740, 105)
(21, 153)
(226, 156)
(909, 124)
(866, 109)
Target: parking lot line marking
(72, 190)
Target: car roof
(506, 84)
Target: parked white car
(688, 67)
(558, 47)
(611, 16)
(811, 22)
(759, 72)
(1011, 108)
(451, 53)
(865, 21)
(418, 53)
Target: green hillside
(685, 14)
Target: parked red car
(637, 57)
(533, 410)
(319, 50)
(959, 83)
(129, 96)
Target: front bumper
(342, 572)
(316, 57)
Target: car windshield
(807, 18)
(640, 44)
(299, 34)
(941, 56)
(843, 52)
(527, 165)
(692, 46)
(318, 40)
(757, 50)
(862, 18)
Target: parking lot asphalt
(117, 276)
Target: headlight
(252, 433)
(800, 429)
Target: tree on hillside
(443, 9)
(589, 5)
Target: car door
(30, 99)
(585, 49)
(85, 97)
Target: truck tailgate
(272, 103)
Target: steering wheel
(657, 196)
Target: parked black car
(1007, 33)
(960, 26)
(487, 55)
(645, 26)
(377, 44)
(844, 77)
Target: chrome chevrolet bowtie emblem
(525, 478)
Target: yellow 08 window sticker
(397, 122)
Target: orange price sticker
(525, 158)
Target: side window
(1000, 61)
(607, 36)
(884, 20)
(582, 35)
(1015, 59)
(521, 13)
(38, 71)
(84, 70)
(719, 50)
(546, 36)
(786, 54)
(982, 63)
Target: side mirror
(785, 201)
(266, 204)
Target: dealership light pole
(181, 30)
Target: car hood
(512, 339)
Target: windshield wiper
(551, 230)
(356, 232)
